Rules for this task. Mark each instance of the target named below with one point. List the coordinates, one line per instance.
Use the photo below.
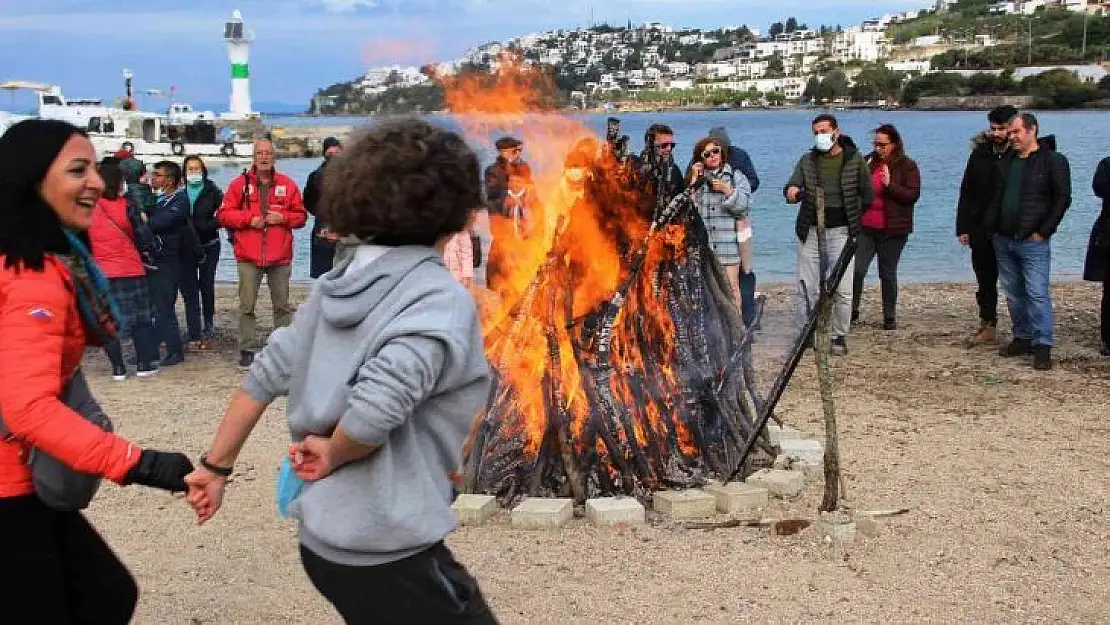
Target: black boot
(115, 356)
(1042, 357)
(1016, 347)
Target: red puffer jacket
(270, 245)
(42, 341)
(113, 244)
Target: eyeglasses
(666, 146)
(881, 144)
(711, 152)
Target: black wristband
(220, 471)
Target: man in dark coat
(322, 253)
(1097, 266)
(1030, 199)
(980, 176)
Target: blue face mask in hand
(289, 486)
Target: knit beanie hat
(29, 228)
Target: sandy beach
(1004, 471)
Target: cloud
(348, 6)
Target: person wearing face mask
(198, 281)
(53, 306)
(169, 218)
(722, 196)
(982, 171)
(323, 250)
(887, 222)
(835, 168)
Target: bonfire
(621, 364)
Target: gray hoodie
(391, 350)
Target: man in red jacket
(261, 209)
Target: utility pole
(1029, 59)
(1086, 16)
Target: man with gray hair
(261, 209)
(1030, 198)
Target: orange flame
(523, 328)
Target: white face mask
(194, 179)
(824, 141)
(575, 174)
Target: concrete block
(804, 449)
(837, 530)
(542, 514)
(737, 496)
(474, 509)
(777, 434)
(684, 504)
(609, 511)
(784, 484)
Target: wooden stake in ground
(822, 349)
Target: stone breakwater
(305, 141)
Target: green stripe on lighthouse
(239, 70)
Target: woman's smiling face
(72, 186)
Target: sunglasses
(711, 152)
(666, 146)
(881, 144)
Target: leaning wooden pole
(822, 349)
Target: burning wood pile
(621, 363)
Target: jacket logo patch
(41, 313)
(279, 191)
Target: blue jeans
(1023, 270)
(164, 285)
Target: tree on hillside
(835, 85)
(876, 83)
(934, 84)
(813, 89)
(775, 67)
(776, 29)
(1059, 87)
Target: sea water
(938, 141)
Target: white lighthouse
(238, 52)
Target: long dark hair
(895, 137)
(29, 228)
(112, 175)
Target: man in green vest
(835, 169)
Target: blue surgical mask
(824, 141)
(194, 180)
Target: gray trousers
(809, 273)
(250, 281)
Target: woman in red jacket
(113, 246)
(59, 569)
(886, 224)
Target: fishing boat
(179, 132)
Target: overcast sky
(301, 45)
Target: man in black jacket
(1030, 199)
(322, 253)
(979, 180)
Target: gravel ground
(1003, 470)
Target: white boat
(180, 132)
(7, 120)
